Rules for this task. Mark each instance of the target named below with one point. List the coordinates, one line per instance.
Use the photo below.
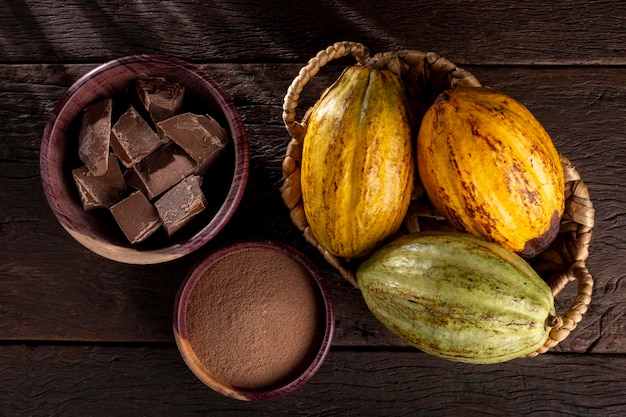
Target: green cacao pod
(458, 297)
(357, 163)
(491, 169)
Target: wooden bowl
(96, 229)
(258, 306)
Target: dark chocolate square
(100, 191)
(181, 204)
(137, 218)
(162, 98)
(132, 138)
(94, 137)
(200, 136)
(161, 170)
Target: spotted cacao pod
(491, 169)
(357, 163)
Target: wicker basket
(425, 76)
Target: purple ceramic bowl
(95, 229)
(205, 270)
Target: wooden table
(85, 336)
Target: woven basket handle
(335, 51)
(577, 224)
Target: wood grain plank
(44, 380)
(53, 289)
(480, 32)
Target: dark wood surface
(84, 336)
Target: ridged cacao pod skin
(491, 169)
(358, 162)
(457, 297)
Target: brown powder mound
(253, 318)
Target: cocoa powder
(254, 318)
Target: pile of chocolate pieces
(163, 160)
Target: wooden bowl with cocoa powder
(135, 232)
(254, 320)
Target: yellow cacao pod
(357, 162)
(491, 169)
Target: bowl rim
(181, 336)
(127, 254)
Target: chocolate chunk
(94, 136)
(199, 135)
(161, 97)
(161, 170)
(100, 191)
(132, 138)
(133, 180)
(181, 204)
(137, 218)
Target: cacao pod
(490, 168)
(357, 162)
(458, 297)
